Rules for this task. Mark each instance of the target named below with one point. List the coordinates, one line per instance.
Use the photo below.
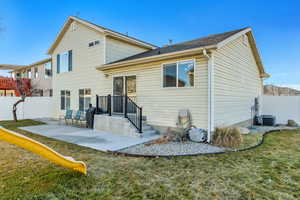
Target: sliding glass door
(122, 86)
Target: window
(91, 44)
(84, 99)
(41, 92)
(179, 74)
(29, 73)
(64, 62)
(50, 92)
(170, 73)
(94, 43)
(186, 74)
(36, 72)
(65, 100)
(48, 70)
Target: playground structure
(42, 150)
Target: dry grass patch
(227, 137)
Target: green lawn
(272, 171)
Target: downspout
(210, 66)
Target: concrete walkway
(87, 137)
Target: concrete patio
(98, 140)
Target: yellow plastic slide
(42, 150)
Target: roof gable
(100, 29)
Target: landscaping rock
(197, 135)
(174, 148)
(292, 123)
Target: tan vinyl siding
(85, 59)
(161, 105)
(116, 50)
(237, 82)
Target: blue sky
(32, 25)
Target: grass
(271, 171)
(250, 140)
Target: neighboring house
(40, 74)
(216, 78)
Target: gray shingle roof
(200, 42)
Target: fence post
(109, 104)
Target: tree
(24, 89)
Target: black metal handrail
(121, 105)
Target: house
(40, 74)
(216, 78)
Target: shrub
(227, 137)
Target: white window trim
(84, 96)
(177, 62)
(65, 97)
(60, 57)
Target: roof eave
(23, 67)
(124, 38)
(248, 32)
(154, 58)
(97, 28)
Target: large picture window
(179, 74)
(84, 99)
(65, 100)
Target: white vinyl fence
(282, 107)
(33, 107)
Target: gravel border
(197, 154)
(173, 149)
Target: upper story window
(94, 43)
(64, 62)
(17, 75)
(36, 72)
(179, 74)
(48, 70)
(29, 73)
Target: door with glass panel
(123, 86)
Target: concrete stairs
(120, 125)
(147, 129)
